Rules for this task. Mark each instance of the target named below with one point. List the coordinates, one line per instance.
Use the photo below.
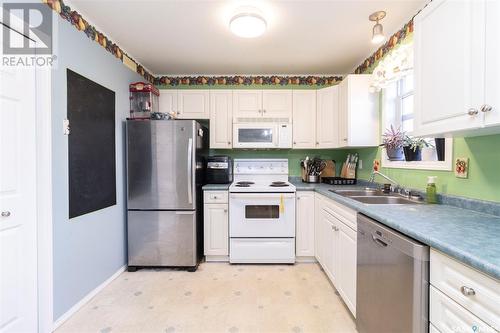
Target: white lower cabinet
(216, 226)
(462, 297)
(335, 246)
(304, 233)
(449, 317)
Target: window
(398, 111)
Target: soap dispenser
(431, 190)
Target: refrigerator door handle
(190, 170)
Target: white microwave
(262, 135)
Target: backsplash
(484, 173)
(294, 156)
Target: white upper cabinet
(457, 68)
(304, 119)
(277, 104)
(247, 104)
(193, 104)
(185, 104)
(168, 101)
(327, 117)
(271, 103)
(492, 91)
(221, 118)
(358, 124)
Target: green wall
(294, 156)
(484, 169)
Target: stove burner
(242, 185)
(279, 184)
(248, 183)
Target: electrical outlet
(360, 164)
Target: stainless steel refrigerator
(165, 172)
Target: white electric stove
(261, 212)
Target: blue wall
(90, 248)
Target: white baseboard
(86, 299)
(305, 259)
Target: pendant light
(378, 30)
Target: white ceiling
(192, 37)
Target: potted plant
(413, 148)
(393, 142)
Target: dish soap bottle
(431, 190)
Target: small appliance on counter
(219, 170)
(144, 100)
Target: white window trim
(388, 104)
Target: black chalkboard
(91, 145)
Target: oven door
(262, 215)
(255, 135)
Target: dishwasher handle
(378, 241)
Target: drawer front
(453, 278)
(345, 214)
(262, 250)
(215, 197)
(447, 316)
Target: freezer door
(162, 238)
(161, 164)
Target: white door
(329, 225)
(216, 230)
(304, 119)
(247, 104)
(346, 263)
(449, 72)
(304, 237)
(492, 82)
(18, 242)
(168, 101)
(193, 104)
(327, 121)
(277, 103)
(221, 119)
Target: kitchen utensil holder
(312, 179)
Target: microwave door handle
(190, 170)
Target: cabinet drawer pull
(486, 108)
(467, 291)
(6, 214)
(472, 112)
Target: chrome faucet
(395, 185)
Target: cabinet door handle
(467, 291)
(344, 139)
(298, 198)
(472, 112)
(225, 210)
(264, 111)
(317, 143)
(486, 108)
(229, 142)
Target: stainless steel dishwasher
(392, 281)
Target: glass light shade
(378, 34)
(247, 25)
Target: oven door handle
(262, 195)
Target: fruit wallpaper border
(76, 19)
(391, 43)
(245, 80)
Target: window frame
(391, 101)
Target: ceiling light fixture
(378, 30)
(248, 24)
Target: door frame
(43, 158)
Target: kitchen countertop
(466, 235)
(215, 187)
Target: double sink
(376, 197)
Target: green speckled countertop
(469, 236)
